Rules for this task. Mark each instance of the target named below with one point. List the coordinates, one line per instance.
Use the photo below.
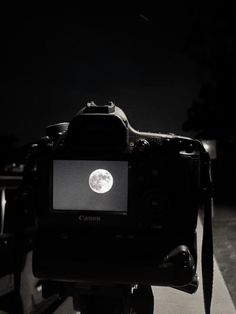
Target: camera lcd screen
(92, 185)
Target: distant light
(210, 147)
(144, 17)
(2, 213)
(3, 199)
(206, 146)
(39, 288)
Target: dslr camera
(115, 206)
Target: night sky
(53, 63)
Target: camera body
(114, 205)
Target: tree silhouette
(211, 43)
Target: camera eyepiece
(98, 128)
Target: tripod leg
(113, 301)
(143, 300)
(98, 304)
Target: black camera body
(115, 205)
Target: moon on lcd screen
(100, 181)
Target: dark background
(54, 62)
(171, 68)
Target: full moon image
(100, 181)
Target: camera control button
(142, 145)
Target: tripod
(114, 300)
